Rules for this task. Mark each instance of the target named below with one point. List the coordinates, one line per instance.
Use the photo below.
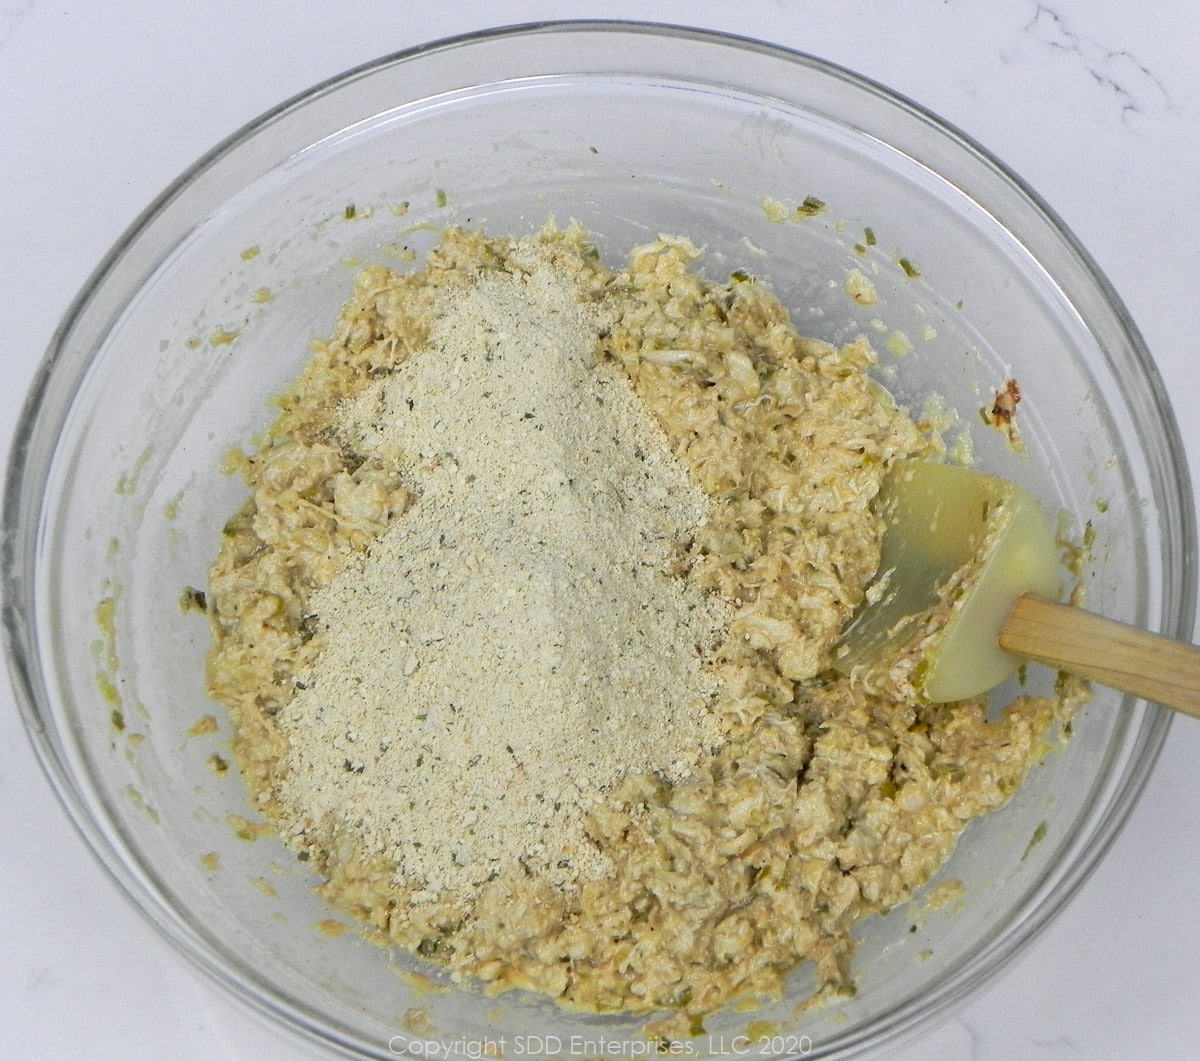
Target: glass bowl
(205, 310)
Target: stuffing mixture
(527, 632)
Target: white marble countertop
(1095, 102)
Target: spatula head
(959, 548)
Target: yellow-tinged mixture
(527, 627)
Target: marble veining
(11, 14)
(1133, 86)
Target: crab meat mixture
(527, 630)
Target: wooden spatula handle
(1148, 665)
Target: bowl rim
(23, 498)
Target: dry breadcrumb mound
(819, 805)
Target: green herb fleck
(1062, 682)
(1039, 834)
(910, 270)
(192, 599)
(810, 207)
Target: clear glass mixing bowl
(205, 309)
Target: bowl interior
(208, 309)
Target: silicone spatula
(939, 518)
